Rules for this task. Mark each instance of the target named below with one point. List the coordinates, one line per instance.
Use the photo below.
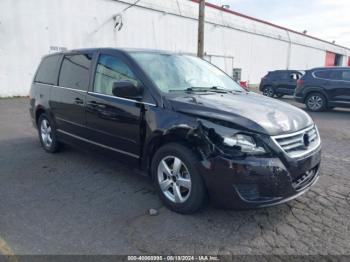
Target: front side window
(75, 71)
(111, 69)
(48, 70)
(171, 72)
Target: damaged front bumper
(257, 181)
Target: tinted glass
(346, 75)
(335, 75)
(322, 74)
(329, 74)
(75, 71)
(284, 76)
(111, 69)
(48, 69)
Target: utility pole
(200, 47)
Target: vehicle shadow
(209, 231)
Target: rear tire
(279, 95)
(178, 183)
(268, 91)
(48, 134)
(316, 102)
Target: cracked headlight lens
(244, 143)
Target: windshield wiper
(223, 90)
(190, 89)
(215, 89)
(219, 89)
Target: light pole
(200, 46)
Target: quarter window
(75, 71)
(48, 70)
(111, 69)
(322, 74)
(329, 74)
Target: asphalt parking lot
(78, 202)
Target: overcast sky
(326, 19)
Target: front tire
(316, 102)
(178, 183)
(47, 134)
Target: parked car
(324, 88)
(181, 120)
(280, 82)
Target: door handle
(78, 101)
(95, 104)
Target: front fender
(202, 135)
(309, 89)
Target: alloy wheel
(174, 179)
(315, 102)
(46, 133)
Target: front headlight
(244, 143)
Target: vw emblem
(306, 140)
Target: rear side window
(75, 71)
(48, 70)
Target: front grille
(299, 143)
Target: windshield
(176, 73)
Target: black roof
(329, 68)
(287, 70)
(127, 50)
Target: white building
(31, 28)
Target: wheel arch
(313, 89)
(38, 112)
(181, 134)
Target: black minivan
(324, 88)
(181, 120)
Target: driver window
(111, 69)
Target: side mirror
(127, 89)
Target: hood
(248, 110)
